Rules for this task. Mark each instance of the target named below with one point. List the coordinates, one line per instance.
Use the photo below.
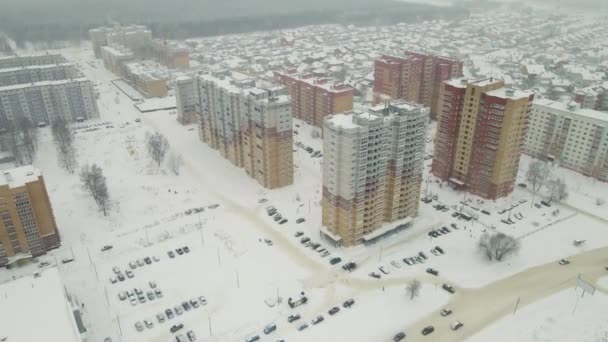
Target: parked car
(120, 277)
(160, 317)
(150, 295)
(374, 275)
(448, 288)
(194, 303)
(139, 326)
(152, 284)
(456, 325)
(147, 260)
(191, 336)
(383, 270)
(113, 280)
(132, 265)
(171, 254)
(169, 313)
(116, 269)
(302, 327)
(428, 330)
(407, 261)
(202, 300)
(178, 310)
(270, 328)
(106, 248)
(122, 296)
(155, 258)
(348, 303)
(422, 255)
(268, 242)
(140, 262)
(334, 310)
(293, 317)
(186, 306)
(283, 221)
(186, 249)
(179, 251)
(445, 312)
(318, 319)
(176, 327)
(300, 220)
(335, 260)
(400, 336)
(298, 234)
(563, 262)
(130, 274)
(439, 249)
(158, 293)
(432, 271)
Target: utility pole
(209, 321)
(238, 283)
(516, 306)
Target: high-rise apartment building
(42, 101)
(186, 96)
(315, 98)
(573, 137)
(372, 170)
(414, 77)
(248, 125)
(37, 73)
(30, 60)
(28, 226)
(134, 37)
(480, 135)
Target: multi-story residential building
(28, 226)
(315, 98)
(573, 137)
(145, 79)
(38, 73)
(134, 37)
(42, 101)
(414, 77)
(480, 135)
(249, 126)
(372, 170)
(115, 56)
(186, 96)
(30, 60)
(593, 97)
(171, 54)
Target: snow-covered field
(241, 275)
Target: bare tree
(94, 182)
(22, 138)
(557, 189)
(413, 288)
(497, 246)
(63, 136)
(175, 162)
(158, 146)
(537, 174)
(14, 143)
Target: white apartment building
(372, 170)
(134, 37)
(30, 60)
(186, 95)
(37, 73)
(576, 138)
(43, 101)
(250, 126)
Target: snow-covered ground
(230, 264)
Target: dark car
(292, 318)
(298, 234)
(169, 313)
(448, 288)
(439, 249)
(432, 271)
(176, 327)
(186, 249)
(423, 255)
(179, 251)
(400, 336)
(428, 330)
(106, 248)
(186, 306)
(318, 319)
(334, 310)
(283, 221)
(300, 220)
(348, 303)
(407, 261)
(171, 254)
(334, 261)
(147, 260)
(304, 240)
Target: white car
(456, 325)
(395, 264)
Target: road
(480, 307)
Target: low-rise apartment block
(28, 226)
(573, 137)
(315, 98)
(480, 135)
(145, 79)
(250, 126)
(372, 172)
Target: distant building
(28, 226)
(39, 308)
(30, 60)
(186, 95)
(573, 137)
(414, 77)
(372, 171)
(480, 135)
(593, 97)
(315, 98)
(38, 73)
(134, 37)
(171, 54)
(249, 126)
(114, 56)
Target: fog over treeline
(47, 20)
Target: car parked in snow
(445, 312)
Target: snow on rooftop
(343, 120)
(42, 83)
(507, 93)
(36, 309)
(589, 113)
(20, 176)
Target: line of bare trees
(63, 136)
(22, 139)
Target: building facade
(28, 226)
(41, 102)
(480, 135)
(249, 126)
(186, 96)
(372, 169)
(38, 73)
(134, 37)
(593, 97)
(414, 77)
(573, 137)
(315, 98)
(30, 60)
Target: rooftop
(42, 83)
(33, 67)
(575, 110)
(19, 176)
(37, 309)
(507, 93)
(343, 120)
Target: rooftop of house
(20, 176)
